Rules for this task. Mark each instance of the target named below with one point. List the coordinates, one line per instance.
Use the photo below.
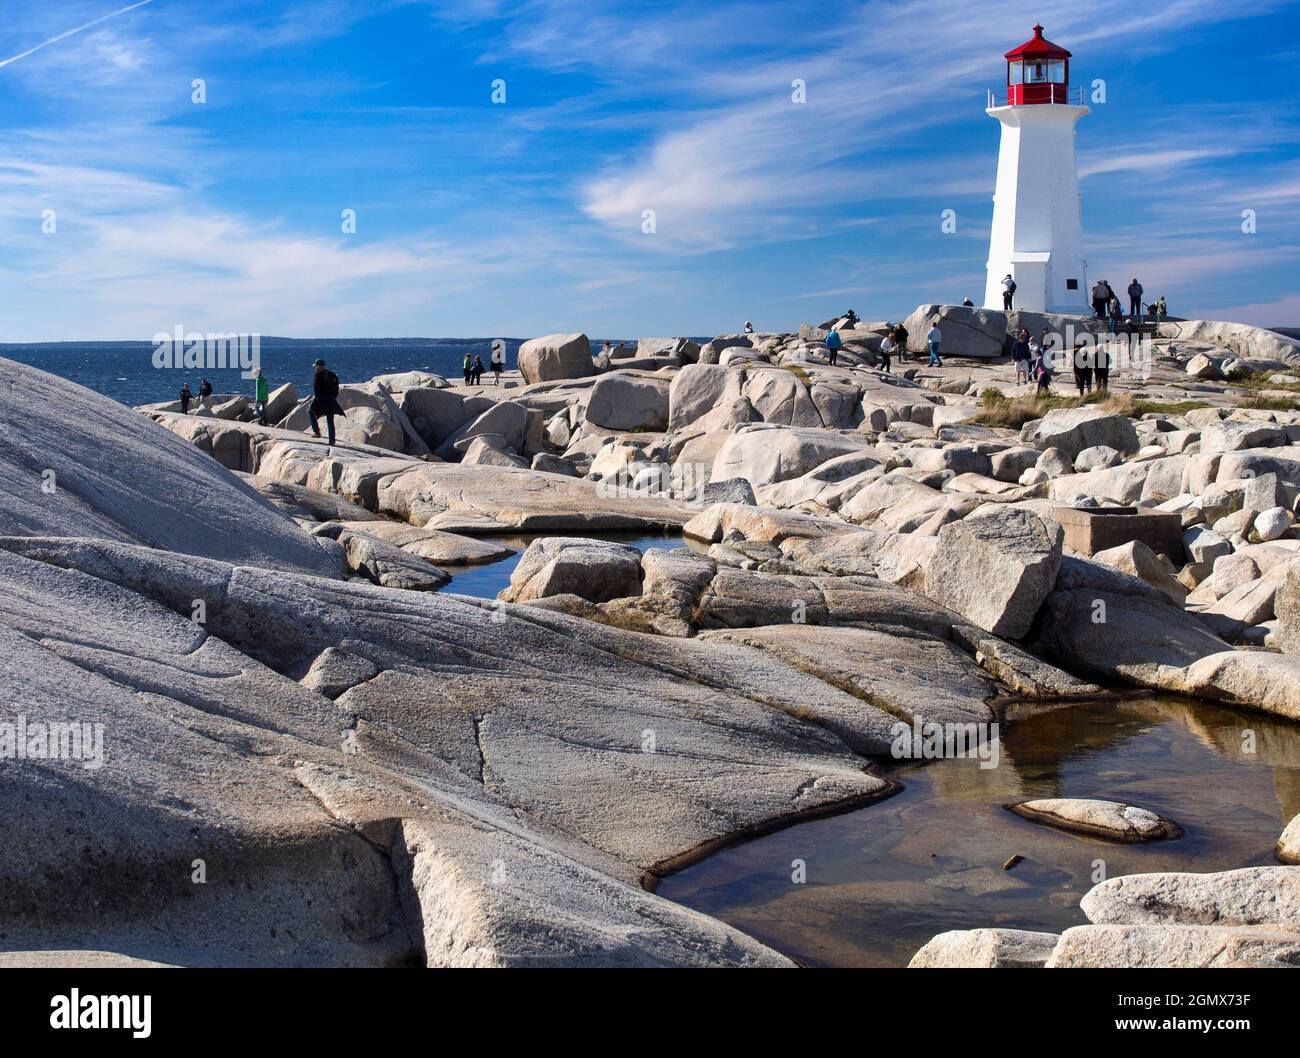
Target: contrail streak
(71, 32)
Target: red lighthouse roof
(1037, 47)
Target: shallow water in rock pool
(884, 879)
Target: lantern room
(1037, 72)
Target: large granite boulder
(595, 570)
(764, 455)
(1071, 430)
(966, 331)
(996, 570)
(556, 356)
(621, 401)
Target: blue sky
(525, 217)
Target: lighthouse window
(1015, 72)
(1071, 284)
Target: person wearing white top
(934, 336)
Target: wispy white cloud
(73, 32)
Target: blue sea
(124, 371)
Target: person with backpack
(933, 339)
(832, 346)
(186, 397)
(1021, 356)
(1135, 299)
(498, 360)
(261, 395)
(324, 400)
(205, 393)
(1008, 292)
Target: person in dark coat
(1135, 299)
(1100, 299)
(186, 397)
(324, 400)
(1021, 356)
(1101, 367)
(205, 393)
(1083, 364)
(478, 370)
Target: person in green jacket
(261, 395)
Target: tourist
(933, 337)
(1021, 356)
(887, 352)
(1083, 364)
(1116, 315)
(832, 346)
(498, 359)
(467, 368)
(1159, 311)
(1043, 372)
(478, 370)
(749, 329)
(1135, 299)
(900, 340)
(186, 397)
(261, 395)
(205, 393)
(1101, 368)
(850, 319)
(968, 303)
(1008, 292)
(1099, 299)
(325, 399)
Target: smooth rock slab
(1104, 819)
(994, 948)
(1252, 896)
(1176, 946)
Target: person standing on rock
(1083, 364)
(1101, 368)
(1021, 356)
(832, 346)
(1043, 372)
(498, 359)
(324, 400)
(887, 350)
(851, 319)
(467, 368)
(261, 395)
(205, 393)
(900, 341)
(933, 338)
(1116, 314)
(1100, 299)
(1008, 293)
(1135, 299)
(1159, 311)
(186, 397)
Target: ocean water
(124, 371)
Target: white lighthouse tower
(1037, 235)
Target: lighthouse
(1037, 235)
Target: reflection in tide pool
(883, 880)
